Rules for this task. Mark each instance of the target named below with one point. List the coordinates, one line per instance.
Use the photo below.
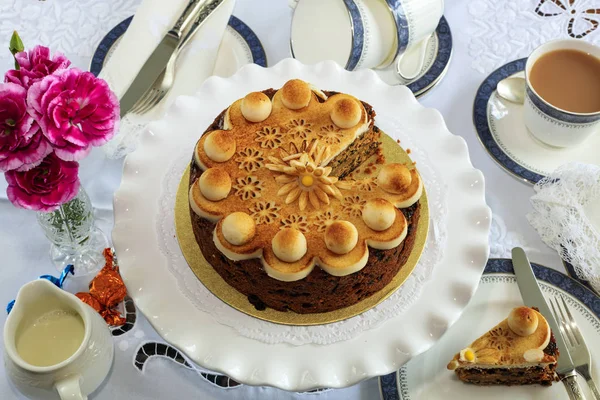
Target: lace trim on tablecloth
(567, 217)
(500, 31)
(502, 241)
(272, 333)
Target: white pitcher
(77, 376)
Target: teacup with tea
(562, 99)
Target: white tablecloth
(482, 41)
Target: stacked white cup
(361, 33)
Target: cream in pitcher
(56, 346)
(51, 338)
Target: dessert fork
(163, 84)
(577, 348)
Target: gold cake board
(212, 280)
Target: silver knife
(155, 64)
(533, 297)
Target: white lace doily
(567, 217)
(321, 334)
(502, 241)
(501, 31)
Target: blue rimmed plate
(239, 46)
(426, 376)
(437, 60)
(502, 132)
(571, 271)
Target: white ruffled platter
(382, 348)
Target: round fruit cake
(275, 212)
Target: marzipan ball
(256, 107)
(215, 184)
(295, 94)
(523, 321)
(238, 228)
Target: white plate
(426, 376)
(501, 130)
(437, 61)
(239, 46)
(298, 368)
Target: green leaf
(16, 46)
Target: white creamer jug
(81, 350)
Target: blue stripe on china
(573, 274)
(106, 43)
(388, 384)
(480, 120)
(441, 61)
(557, 116)
(259, 56)
(358, 34)
(401, 21)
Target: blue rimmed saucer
(239, 46)
(502, 132)
(571, 271)
(426, 376)
(437, 60)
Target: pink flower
(35, 65)
(45, 187)
(22, 145)
(75, 110)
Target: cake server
(157, 61)
(533, 297)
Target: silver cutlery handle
(593, 388)
(207, 8)
(186, 18)
(573, 388)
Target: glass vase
(75, 238)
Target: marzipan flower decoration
(249, 159)
(330, 134)
(248, 187)
(323, 219)
(299, 127)
(582, 17)
(264, 212)
(304, 178)
(269, 137)
(353, 205)
(295, 221)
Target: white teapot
(72, 366)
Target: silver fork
(577, 348)
(164, 82)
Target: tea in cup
(562, 99)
